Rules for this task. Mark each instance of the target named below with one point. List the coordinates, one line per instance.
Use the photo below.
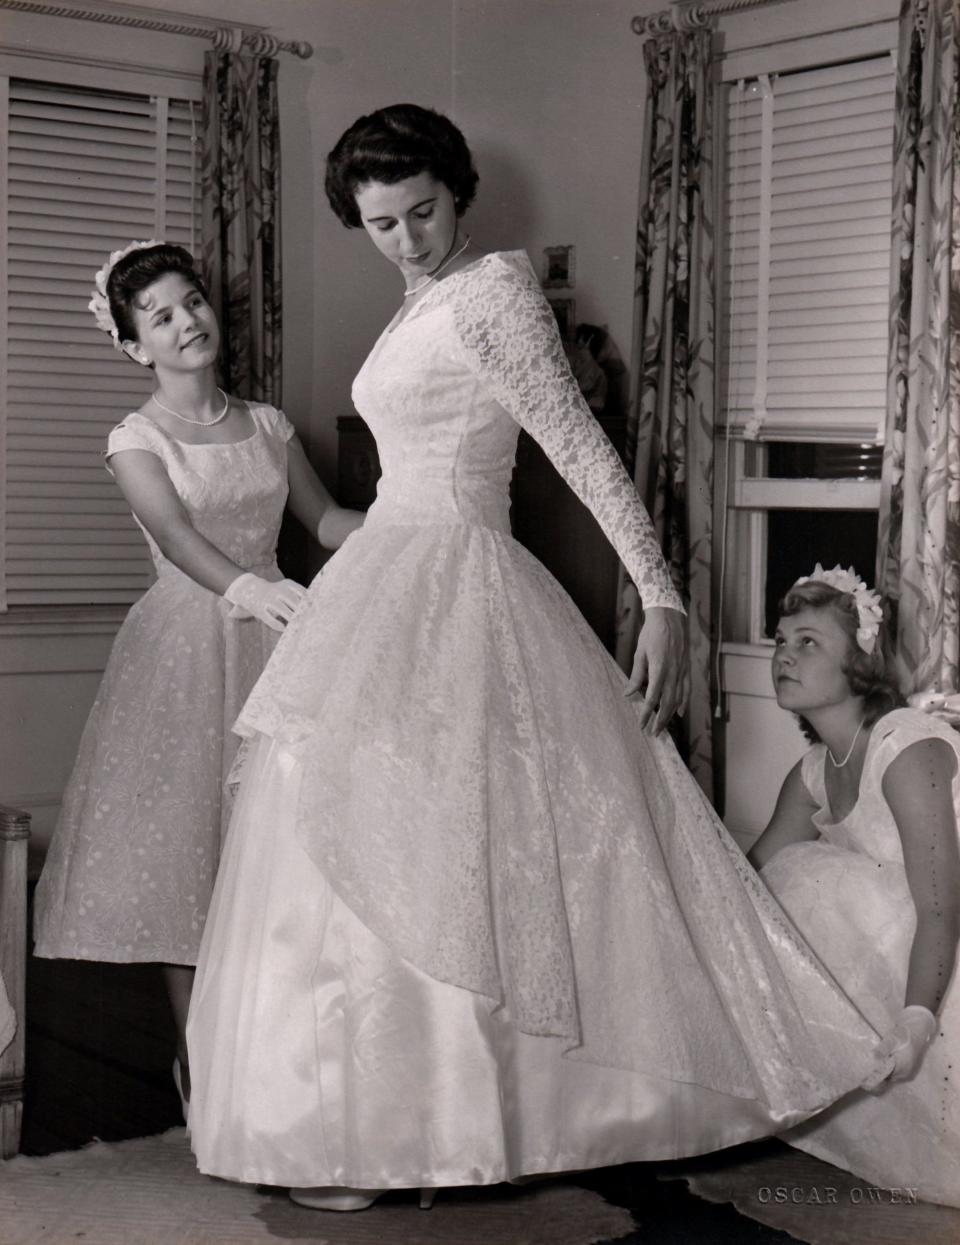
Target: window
(807, 194)
(83, 173)
(792, 504)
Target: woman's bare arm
(918, 786)
(151, 496)
(792, 820)
(312, 504)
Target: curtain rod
(224, 38)
(689, 15)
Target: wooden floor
(100, 1045)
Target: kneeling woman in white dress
(862, 852)
(474, 921)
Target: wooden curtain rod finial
(260, 43)
(263, 44)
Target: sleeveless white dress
(130, 869)
(847, 892)
(471, 922)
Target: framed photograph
(558, 264)
(565, 309)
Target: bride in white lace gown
(473, 921)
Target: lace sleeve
(508, 332)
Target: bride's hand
(660, 677)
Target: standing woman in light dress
(130, 870)
(863, 853)
(475, 920)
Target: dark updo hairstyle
(393, 144)
(870, 675)
(132, 274)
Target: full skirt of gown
(471, 922)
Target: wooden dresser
(545, 516)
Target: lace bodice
(445, 392)
(869, 828)
(234, 493)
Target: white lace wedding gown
(129, 873)
(471, 922)
(848, 894)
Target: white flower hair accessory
(869, 608)
(99, 304)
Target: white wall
(550, 94)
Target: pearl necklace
(437, 271)
(202, 423)
(840, 764)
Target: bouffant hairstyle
(138, 270)
(870, 675)
(393, 144)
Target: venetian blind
(807, 250)
(86, 173)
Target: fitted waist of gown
(422, 499)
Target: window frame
(744, 494)
(752, 494)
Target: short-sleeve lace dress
(130, 869)
(847, 893)
(471, 922)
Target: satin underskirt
(319, 1057)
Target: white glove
(273, 603)
(903, 1048)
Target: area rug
(148, 1192)
(820, 1204)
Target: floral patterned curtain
(671, 415)
(241, 218)
(919, 545)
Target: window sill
(745, 670)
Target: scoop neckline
(203, 445)
(874, 738)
